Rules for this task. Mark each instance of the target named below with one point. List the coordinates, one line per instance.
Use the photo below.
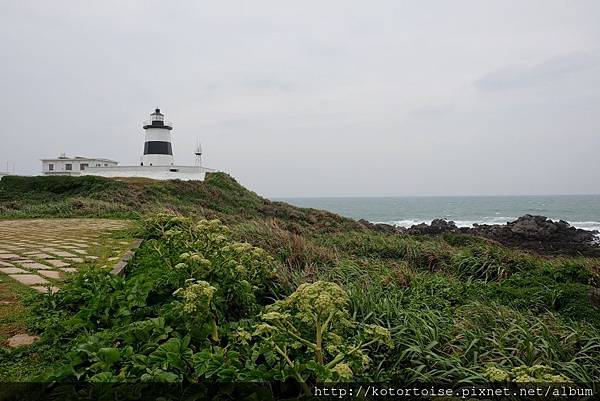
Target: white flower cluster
(196, 297)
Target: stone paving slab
(51, 274)
(29, 279)
(75, 247)
(41, 256)
(20, 340)
(35, 266)
(8, 256)
(63, 254)
(45, 290)
(11, 270)
(41, 253)
(57, 263)
(47, 249)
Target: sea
(581, 211)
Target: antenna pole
(198, 154)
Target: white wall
(157, 134)
(60, 165)
(184, 173)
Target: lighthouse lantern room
(157, 145)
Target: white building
(64, 165)
(3, 174)
(157, 159)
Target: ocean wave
(584, 225)
(459, 223)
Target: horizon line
(427, 196)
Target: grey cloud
(269, 84)
(549, 71)
(313, 98)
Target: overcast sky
(315, 98)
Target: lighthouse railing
(149, 122)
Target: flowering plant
(526, 374)
(238, 271)
(312, 333)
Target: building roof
(79, 158)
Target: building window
(105, 165)
(50, 167)
(83, 166)
(68, 167)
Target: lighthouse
(157, 145)
(156, 162)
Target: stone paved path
(41, 253)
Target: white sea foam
(586, 225)
(459, 223)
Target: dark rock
(541, 234)
(536, 233)
(437, 226)
(381, 227)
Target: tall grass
(491, 262)
(449, 329)
(419, 253)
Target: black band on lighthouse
(158, 148)
(158, 124)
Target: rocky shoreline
(537, 233)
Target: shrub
(313, 333)
(196, 305)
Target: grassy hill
(435, 309)
(219, 196)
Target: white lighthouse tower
(157, 145)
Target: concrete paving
(41, 253)
(35, 266)
(11, 270)
(29, 279)
(57, 263)
(20, 340)
(51, 274)
(46, 289)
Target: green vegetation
(219, 196)
(12, 311)
(276, 292)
